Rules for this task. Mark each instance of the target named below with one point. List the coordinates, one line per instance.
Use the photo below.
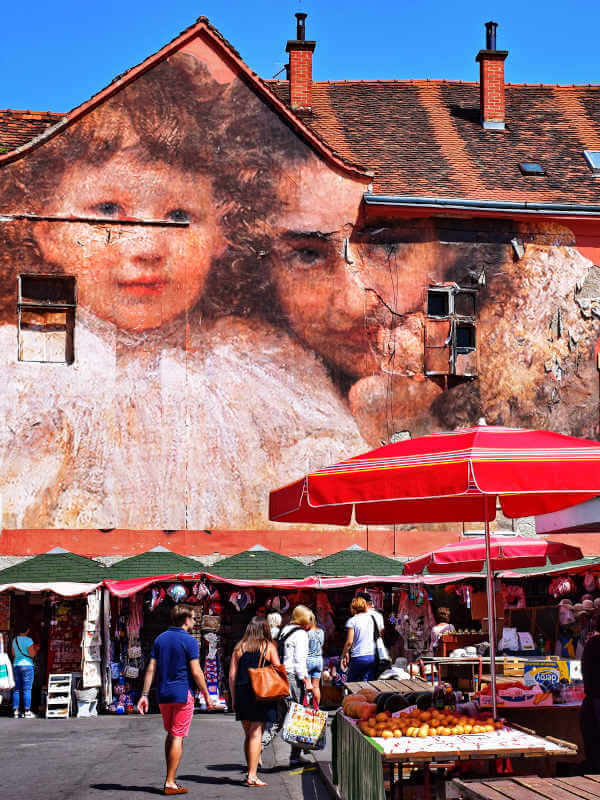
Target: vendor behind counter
(590, 709)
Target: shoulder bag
(269, 682)
(382, 656)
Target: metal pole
(491, 604)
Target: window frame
(47, 307)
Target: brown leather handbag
(269, 681)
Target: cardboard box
(516, 697)
(552, 671)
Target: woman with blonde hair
(293, 644)
(256, 644)
(358, 655)
(314, 662)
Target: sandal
(178, 790)
(255, 782)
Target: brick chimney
(491, 81)
(300, 67)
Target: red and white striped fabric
(447, 477)
(506, 553)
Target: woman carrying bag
(255, 649)
(24, 651)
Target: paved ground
(116, 757)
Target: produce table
(531, 787)
(555, 720)
(360, 763)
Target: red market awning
(447, 477)
(507, 552)
(132, 586)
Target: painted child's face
(136, 276)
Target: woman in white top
(358, 655)
(293, 642)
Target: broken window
(464, 336)
(464, 303)
(450, 337)
(438, 302)
(46, 318)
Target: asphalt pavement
(110, 758)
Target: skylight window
(593, 159)
(531, 168)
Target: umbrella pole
(491, 604)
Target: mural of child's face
(136, 276)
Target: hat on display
(242, 599)
(200, 590)
(177, 592)
(565, 615)
(588, 605)
(279, 603)
(566, 603)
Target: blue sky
(54, 55)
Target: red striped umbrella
(506, 552)
(458, 476)
(447, 477)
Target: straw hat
(565, 602)
(588, 606)
(578, 608)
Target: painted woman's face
(136, 276)
(320, 292)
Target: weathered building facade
(209, 282)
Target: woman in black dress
(252, 713)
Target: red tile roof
(19, 127)
(418, 138)
(424, 138)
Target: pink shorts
(177, 717)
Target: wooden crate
(514, 668)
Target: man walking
(175, 662)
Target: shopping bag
(304, 727)
(382, 656)
(6, 674)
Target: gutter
(464, 204)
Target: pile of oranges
(426, 723)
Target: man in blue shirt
(175, 662)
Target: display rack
(58, 702)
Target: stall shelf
(362, 765)
(403, 687)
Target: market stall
(368, 757)
(52, 595)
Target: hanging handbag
(269, 681)
(382, 656)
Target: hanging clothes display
(91, 645)
(414, 620)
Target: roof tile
(260, 564)
(53, 567)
